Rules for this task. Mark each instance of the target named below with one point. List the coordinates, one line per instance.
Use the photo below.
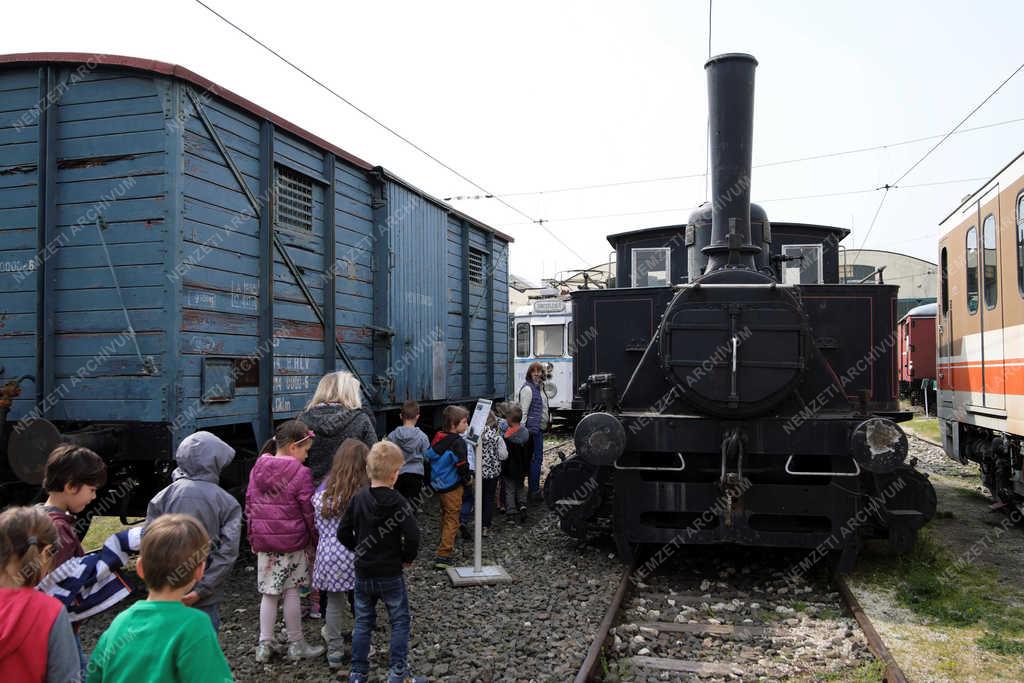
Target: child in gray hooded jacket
(195, 490)
(413, 443)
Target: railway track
(737, 619)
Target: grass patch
(100, 529)
(799, 606)
(970, 595)
(926, 427)
(870, 672)
(829, 613)
(993, 642)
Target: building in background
(916, 277)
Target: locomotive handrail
(855, 473)
(682, 466)
(737, 285)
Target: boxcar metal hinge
(257, 208)
(148, 365)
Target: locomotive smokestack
(731, 118)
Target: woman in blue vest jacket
(534, 403)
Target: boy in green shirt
(160, 639)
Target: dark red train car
(916, 332)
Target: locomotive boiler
(735, 391)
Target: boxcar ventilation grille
(477, 266)
(293, 200)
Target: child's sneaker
(442, 563)
(264, 651)
(300, 649)
(336, 660)
(405, 678)
(466, 534)
(522, 515)
(357, 678)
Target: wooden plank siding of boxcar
(111, 155)
(417, 242)
(219, 257)
(19, 195)
(455, 267)
(298, 334)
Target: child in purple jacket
(281, 525)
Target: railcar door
(992, 370)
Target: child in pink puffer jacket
(280, 514)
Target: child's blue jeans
(392, 591)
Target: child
(160, 639)
(517, 466)
(36, 642)
(195, 490)
(449, 470)
(380, 528)
(280, 516)
(493, 453)
(413, 443)
(71, 478)
(333, 569)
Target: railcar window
(1020, 244)
(548, 340)
(293, 200)
(945, 281)
(572, 338)
(523, 340)
(477, 266)
(989, 258)
(972, 270)
(804, 268)
(651, 267)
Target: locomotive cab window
(523, 340)
(989, 265)
(548, 340)
(972, 270)
(651, 267)
(802, 265)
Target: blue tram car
(174, 257)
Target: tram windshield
(549, 340)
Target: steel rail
(893, 672)
(591, 662)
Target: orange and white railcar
(981, 332)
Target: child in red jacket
(36, 642)
(280, 515)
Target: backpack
(443, 475)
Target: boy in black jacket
(379, 526)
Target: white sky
(530, 95)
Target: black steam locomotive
(736, 391)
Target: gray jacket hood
(202, 456)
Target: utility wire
(934, 147)
(388, 128)
(762, 201)
(768, 164)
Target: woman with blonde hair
(335, 413)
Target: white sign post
(478, 574)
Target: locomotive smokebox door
(734, 351)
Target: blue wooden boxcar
(174, 257)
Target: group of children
(348, 536)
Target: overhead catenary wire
(767, 164)
(931, 149)
(822, 195)
(389, 129)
